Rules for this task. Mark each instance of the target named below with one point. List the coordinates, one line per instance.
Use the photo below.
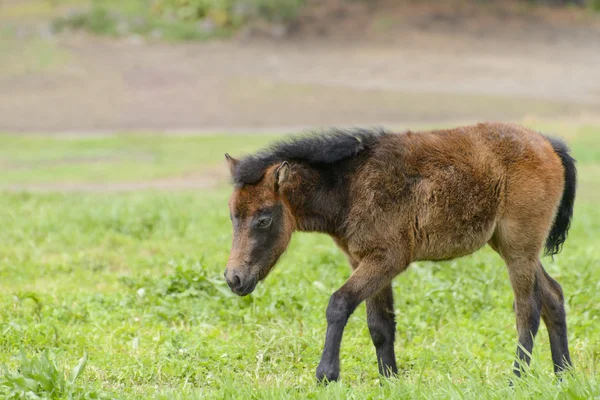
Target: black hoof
(326, 375)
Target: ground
(134, 280)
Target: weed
(39, 378)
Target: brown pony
(390, 199)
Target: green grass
(121, 158)
(168, 19)
(134, 281)
(114, 18)
(105, 17)
(160, 19)
(34, 8)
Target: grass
(111, 18)
(116, 19)
(159, 19)
(119, 158)
(122, 296)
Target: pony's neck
(316, 205)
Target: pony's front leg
(374, 272)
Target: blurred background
(254, 65)
(137, 70)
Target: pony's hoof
(326, 375)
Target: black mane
(325, 148)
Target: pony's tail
(562, 222)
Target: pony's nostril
(235, 281)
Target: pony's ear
(232, 162)
(282, 174)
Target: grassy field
(119, 158)
(160, 19)
(121, 295)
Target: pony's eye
(263, 222)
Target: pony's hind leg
(527, 305)
(553, 313)
(537, 294)
(533, 192)
(382, 326)
(519, 242)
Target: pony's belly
(447, 244)
(456, 217)
(446, 250)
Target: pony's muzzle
(239, 283)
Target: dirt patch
(76, 161)
(170, 184)
(210, 179)
(384, 62)
(115, 86)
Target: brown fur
(421, 196)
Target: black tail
(558, 233)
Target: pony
(389, 199)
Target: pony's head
(262, 227)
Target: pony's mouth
(247, 288)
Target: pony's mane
(323, 148)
